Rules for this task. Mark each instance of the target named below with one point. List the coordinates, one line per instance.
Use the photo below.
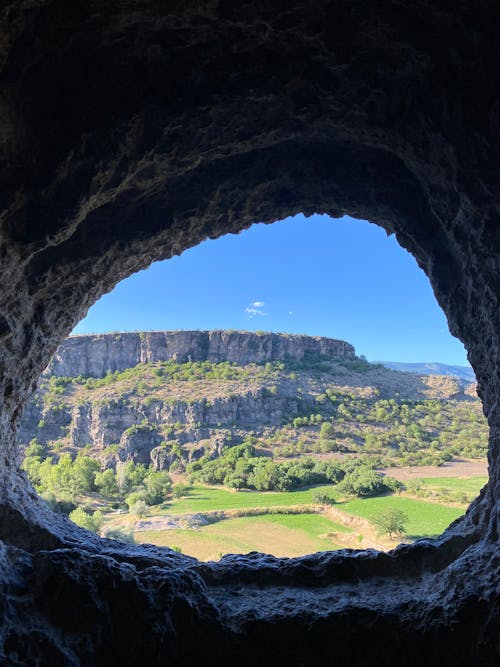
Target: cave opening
(165, 435)
(132, 131)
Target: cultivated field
(210, 522)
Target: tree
(391, 521)
(84, 472)
(92, 522)
(106, 482)
(363, 482)
(157, 487)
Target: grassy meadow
(348, 524)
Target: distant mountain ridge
(432, 368)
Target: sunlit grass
(204, 499)
(468, 485)
(277, 534)
(425, 519)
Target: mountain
(171, 398)
(432, 368)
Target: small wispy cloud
(254, 309)
(290, 312)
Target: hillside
(464, 373)
(172, 398)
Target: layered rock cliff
(95, 355)
(164, 396)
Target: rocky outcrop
(95, 355)
(136, 425)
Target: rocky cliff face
(95, 355)
(122, 429)
(180, 395)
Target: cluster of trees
(63, 481)
(418, 432)
(238, 467)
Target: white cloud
(290, 312)
(255, 308)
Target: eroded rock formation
(131, 131)
(94, 356)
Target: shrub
(180, 490)
(139, 509)
(322, 498)
(121, 534)
(326, 431)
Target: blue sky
(342, 278)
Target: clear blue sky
(340, 278)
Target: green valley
(211, 441)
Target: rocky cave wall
(133, 130)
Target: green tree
(157, 487)
(106, 483)
(92, 522)
(130, 475)
(391, 521)
(84, 472)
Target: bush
(121, 534)
(322, 498)
(139, 509)
(393, 484)
(180, 490)
(326, 432)
(134, 497)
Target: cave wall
(133, 130)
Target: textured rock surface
(93, 356)
(131, 131)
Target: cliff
(95, 355)
(165, 397)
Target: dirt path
(459, 468)
(364, 535)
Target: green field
(468, 485)
(206, 498)
(277, 534)
(293, 535)
(425, 519)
